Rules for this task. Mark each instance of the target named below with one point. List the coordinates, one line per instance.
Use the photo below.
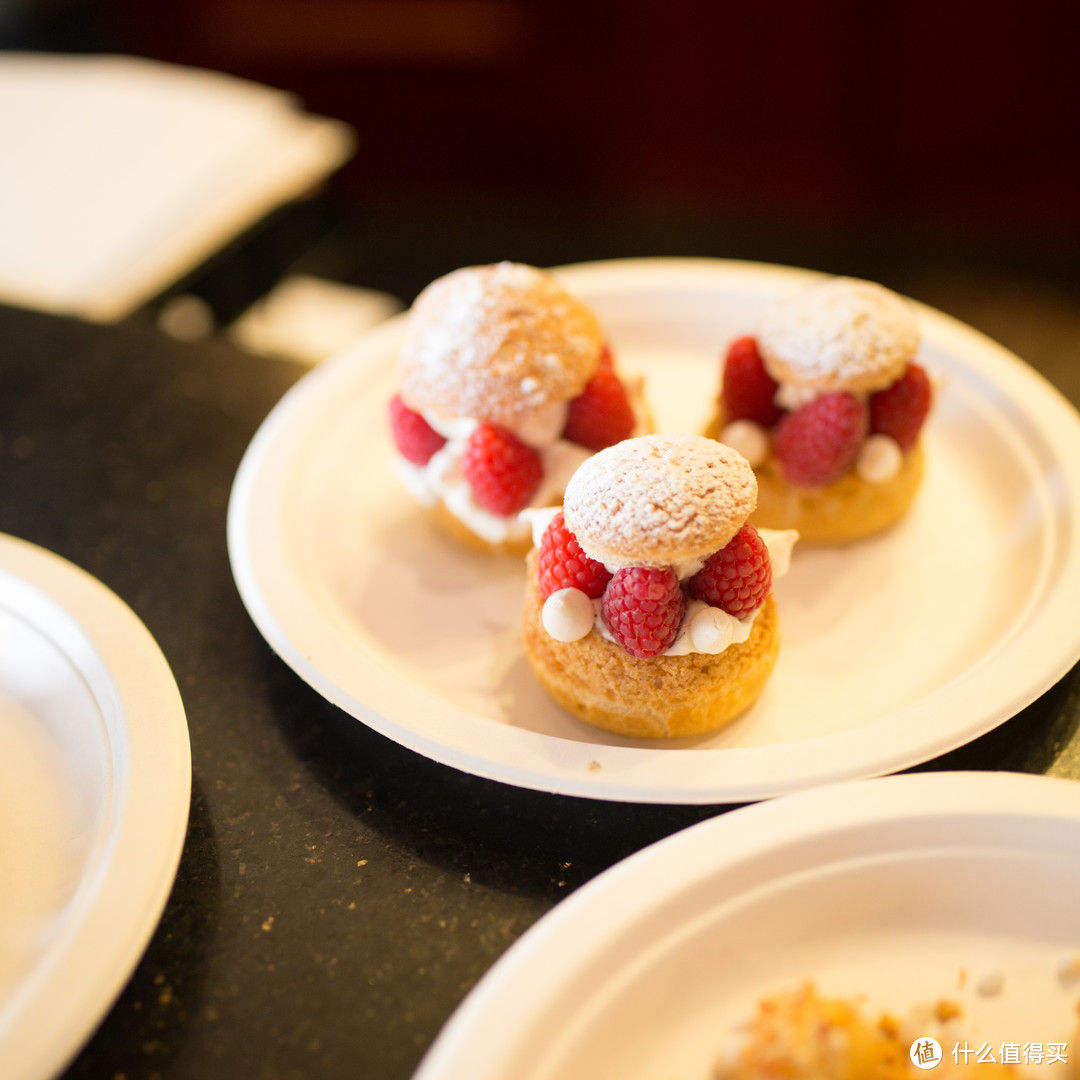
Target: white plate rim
(119, 900)
(486, 1026)
(1040, 655)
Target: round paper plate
(95, 784)
(903, 892)
(893, 651)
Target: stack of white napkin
(118, 175)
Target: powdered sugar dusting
(840, 334)
(495, 343)
(659, 499)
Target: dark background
(822, 132)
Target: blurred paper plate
(95, 784)
(903, 891)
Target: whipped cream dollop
(794, 396)
(880, 459)
(568, 614)
(708, 629)
(747, 438)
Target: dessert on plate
(803, 1035)
(506, 384)
(827, 402)
(649, 608)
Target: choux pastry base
(665, 697)
(451, 525)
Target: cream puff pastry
(649, 608)
(506, 385)
(828, 403)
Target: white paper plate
(95, 783)
(888, 888)
(894, 650)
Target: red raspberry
(601, 415)
(563, 565)
(642, 608)
(414, 437)
(899, 410)
(501, 470)
(607, 357)
(818, 443)
(748, 389)
(737, 578)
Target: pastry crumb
(946, 1010)
(804, 1035)
(991, 984)
(1068, 967)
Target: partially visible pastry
(506, 385)
(804, 1035)
(649, 608)
(828, 403)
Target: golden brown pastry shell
(451, 525)
(665, 697)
